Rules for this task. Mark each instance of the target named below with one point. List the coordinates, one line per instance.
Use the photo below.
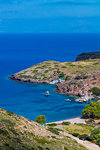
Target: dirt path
(87, 144)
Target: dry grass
(80, 129)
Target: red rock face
(79, 87)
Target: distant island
(86, 56)
(78, 78)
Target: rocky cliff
(79, 86)
(86, 56)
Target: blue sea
(20, 51)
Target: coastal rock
(86, 56)
(29, 80)
(79, 87)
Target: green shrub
(45, 78)
(53, 130)
(81, 77)
(84, 77)
(96, 131)
(4, 132)
(93, 83)
(42, 74)
(47, 148)
(52, 124)
(46, 71)
(98, 142)
(76, 134)
(67, 78)
(13, 131)
(66, 123)
(58, 129)
(80, 66)
(54, 137)
(58, 71)
(64, 67)
(40, 148)
(8, 122)
(83, 137)
(9, 113)
(78, 77)
(89, 121)
(62, 75)
(35, 71)
(41, 140)
(92, 110)
(65, 148)
(25, 76)
(95, 91)
(93, 137)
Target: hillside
(19, 133)
(76, 78)
(86, 56)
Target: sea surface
(20, 51)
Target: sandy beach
(72, 121)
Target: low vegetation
(81, 77)
(94, 135)
(95, 91)
(67, 78)
(66, 123)
(19, 133)
(78, 129)
(52, 124)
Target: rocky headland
(74, 78)
(87, 56)
(80, 86)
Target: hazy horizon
(49, 16)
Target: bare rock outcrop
(79, 87)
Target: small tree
(40, 119)
(62, 75)
(67, 78)
(92, 110)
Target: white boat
(67, 100)
(47, 93)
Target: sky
(49, 16)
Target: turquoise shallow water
(20, 52)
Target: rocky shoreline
(29, 80)
(80, 87)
